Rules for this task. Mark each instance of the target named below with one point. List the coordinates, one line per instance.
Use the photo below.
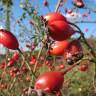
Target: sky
(17, 12)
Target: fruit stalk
(26, 62)
(35, 66)
(57, 5)
(75, 64)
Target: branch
(58, 5)
(85, 22)
(75, 64)
(84, 39)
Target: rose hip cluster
(60, 31)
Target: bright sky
(17, 12)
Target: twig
(44, 40)
(75, 64)
(26, 63)
(11, 86)
(58, 5)
(85, 22)
(24, 58)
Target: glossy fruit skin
(50, 81)
(54, 16)
(83, 67)
(8, 39)
(59, 29)
(58, 47)
(74, 52)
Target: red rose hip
(50, 81)
(74, 52)
(58, 47)
(58, 26)
(8, 39)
